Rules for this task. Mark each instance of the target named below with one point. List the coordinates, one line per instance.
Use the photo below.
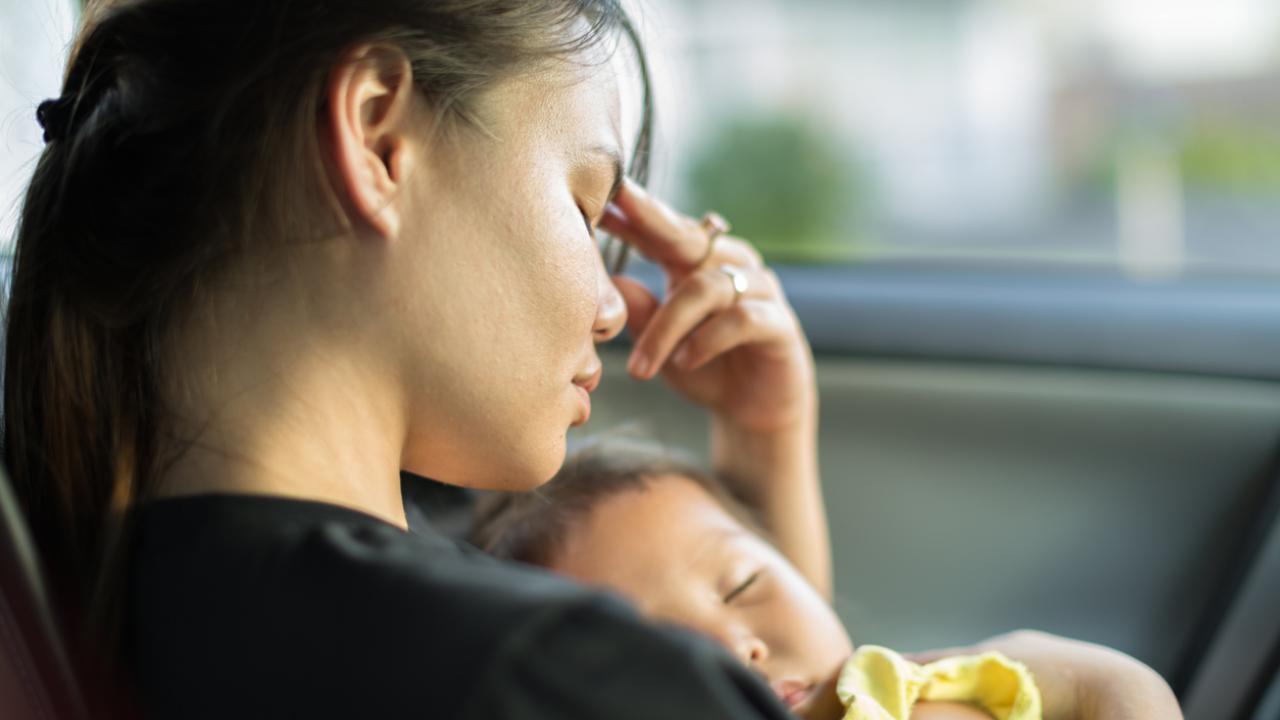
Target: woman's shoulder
(252, 593)
(254, 596)
(267, 555)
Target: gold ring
(739, 279)
(714, 225)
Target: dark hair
(532, 527)
(185, 128)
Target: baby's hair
(532, 527)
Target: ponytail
(78, 375)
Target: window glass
(1144, 133)
(35, 36)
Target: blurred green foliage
(1240, 158)
(1236, 157)
(784, 184)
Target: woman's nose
(611, 309)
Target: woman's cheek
(583, 275)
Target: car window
(1143, 134)
(34, 38)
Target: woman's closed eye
(742, 587)
(591, 229)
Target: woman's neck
(284, 398)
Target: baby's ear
(370, 106)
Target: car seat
(36, 676)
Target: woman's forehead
(567, 106)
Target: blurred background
(1036, 247)
(1141, 133)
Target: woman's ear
(370, 104)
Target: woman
(274, 253)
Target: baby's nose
(753, 651)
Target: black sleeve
(597, 660)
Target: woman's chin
(499, 471)
(537, 468)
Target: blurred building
(1061, 129)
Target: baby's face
(675, 552)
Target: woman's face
(500, 289)
(673, 550)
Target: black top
(256, 606)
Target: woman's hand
(744, 358)
(1078, 680)
(742, 355)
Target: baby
(670, 538)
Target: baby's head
(668, 536)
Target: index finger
(674, 241)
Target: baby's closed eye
(741, 587)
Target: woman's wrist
(1125, 689)
(758, 464)
(775, 473)
(1080, 680)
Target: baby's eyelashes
(742, 587)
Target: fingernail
(638, 365)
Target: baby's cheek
(813, 634)
(819, 620)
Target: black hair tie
(54, 117)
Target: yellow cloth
(879, 684)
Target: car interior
(1079, 433)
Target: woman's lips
(585, 396)
(584, 384)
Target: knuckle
(744, 251)
(767, 281)
(700, 285)
(692, 230)
(744, 313)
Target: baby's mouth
(792, 692)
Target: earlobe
(370, 102)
